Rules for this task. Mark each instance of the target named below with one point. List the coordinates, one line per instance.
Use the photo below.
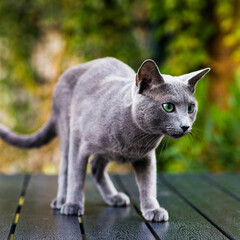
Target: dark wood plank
(229, 183)
(37, 220)
(10, 189)
(104, 222)
(184, 223)
(219, 207)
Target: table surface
(200, 206)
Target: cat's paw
(57, 203)
(118, 200)
(71, 209)
(156, 215)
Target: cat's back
(90, 77)
(95, 70)
(109, 65)
(105, 78)
(104, 70)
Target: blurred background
(39, 39)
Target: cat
(103, 108)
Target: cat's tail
(43, 136)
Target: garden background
(39, 39)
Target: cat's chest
(141, 144)
(136, 148)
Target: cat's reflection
(108, 216)
(112, 220)
(105, 220)
(160, 227)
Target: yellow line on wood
(16, 218)
(11, 236)
(21, 201)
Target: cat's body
(102, 125)
(102, 108)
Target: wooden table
(200, 207)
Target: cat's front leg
(78, 158)
(145, 172)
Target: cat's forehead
(173, 90)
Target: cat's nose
(185, 128)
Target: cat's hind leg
(106, 188)
(63, 130)
(77, 163)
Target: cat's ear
(148, 76)
(193, 77)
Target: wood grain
(218, 206)
(104, 222)
(185, 222)
(37, 220)
(209, 196)
(228, 183)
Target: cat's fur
(104, 108)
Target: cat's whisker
(155, 141)
(137, 139)
(140, 138)
(147, 144)
(195, 135)
(163, 145)
(149, 139)
(164, 142)
(167, 142)
(199, 130)
(190, 138)
(151, 142)
(146, 138)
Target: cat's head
(163, 104)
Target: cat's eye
(191, 108)
(168, 107)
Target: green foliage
(103, 28)
(186, 33)
(223, 134)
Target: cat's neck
(139, 140)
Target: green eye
(191, 108)
(168, 107)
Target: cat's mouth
(175, 134)
(178, 135)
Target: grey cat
(103, 108)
